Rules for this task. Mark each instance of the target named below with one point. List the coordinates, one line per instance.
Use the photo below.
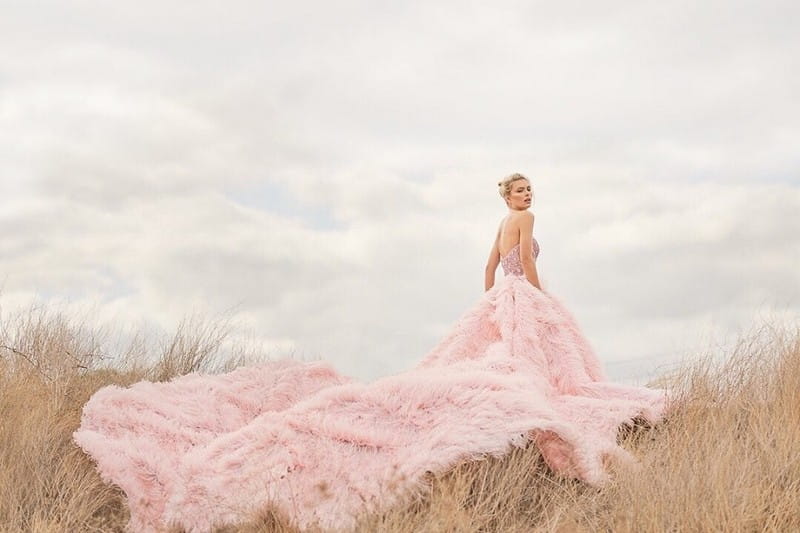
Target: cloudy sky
(324, 172)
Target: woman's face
(520, 196)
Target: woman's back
(508, 244)
(511, 261)
(509, 233)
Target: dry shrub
(193, 348)
(50, 365)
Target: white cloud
(326, 172)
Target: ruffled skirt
(207, 450)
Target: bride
(207, 450)
(517, 227)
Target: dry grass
(727, 458)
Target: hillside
(726, 459)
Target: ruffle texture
(205, 450)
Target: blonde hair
(504, 185)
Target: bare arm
(526, 250)
(491, 264)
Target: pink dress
(206, 450)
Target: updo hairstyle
(504, 185)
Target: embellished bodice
(512, 263)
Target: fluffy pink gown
(205, 450)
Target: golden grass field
(726, 459)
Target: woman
(201, 451)
(515, 234)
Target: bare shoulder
(522, 215)
(525, 218)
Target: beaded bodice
(512, 263)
